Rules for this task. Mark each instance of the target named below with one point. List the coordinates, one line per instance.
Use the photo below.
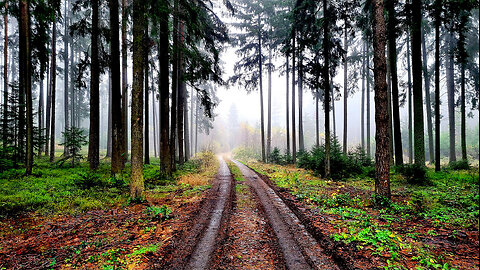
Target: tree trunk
(382, 139)
(165, 156)
(93, 141)
(287, 106)
(294, 128)
(66, 67)
(389, 110)
(197, 107)
(181, 97)
(48, 110)
(5, 80)
(185, 127)
(301, 142)
(419, 143)
(26, 79)
(462, 57)
(437, 84)
(40, 109)
(428, 104)
(262, 120)
(139, 25)
(317, 119)
(109, 132)
(410, 122)
(334, 123)
(175, 72)
(123, 106)
(326, 78)
(269, 127)
(392, 45)
(53, 77)
(451, 95)
(362, 114)
(119, 120)
(368, 101)
(154, 115)
(146, 134)
(345, 90)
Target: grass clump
(415, 174)
(459, 165)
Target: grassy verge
(400, 233)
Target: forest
(239, 134)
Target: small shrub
(160, 213)
(154, 176)
(459, 165)
(86, 180)
(380, 201)
(276, 157)
(415, 174)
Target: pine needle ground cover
(434, 226)
(63, 217)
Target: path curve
(300, 249)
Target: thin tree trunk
(451, 95)
(146, 133)
(48, 110)
(382, 139)
(154, 115)
(463, 134)
(5, 79)
(26, 79)
(40, 110)
(419, 143)
(391, 35)
(410, 120)
(317, 119)
(345, 90)
(181, 98)
(437, 85)
(119, 121)
(428, 104)
(109, 132)
(334, 123)
(66, 67)
(165, 156)
(123, 107)
(93, 141)
(185, 127)
(262, 120)
(53, 76)
(175, 72)
(326, 78)
(191, 121)
(139, 25)
(287, 107)
(368, 101)
(389, 109)
(294, 128)
(362, 114)
(269, 113)
(196, 122)
(301, 142)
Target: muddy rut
(246, 225)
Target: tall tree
(392, 45)
(124, 91)
(66, 37)
(416, 24)
(451, 93)
(437, 12)
(25, 71)
(139, 22)
(181, 95)
(146, 52)
(118, 141)
(367, 97)
(53, 78)
(269, 100)
(326, 81)
(409, 93)
(287, 72)
(174, 97)
(5, 78)
(294, 127)
(382, 159)
(426, 76)
(301, 140)
(94, 134)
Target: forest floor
(212, 216)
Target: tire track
(300, 249)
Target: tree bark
(294, 128)
(287, 106)
(136, 184)
(437, 84)
(123, 107)
(301, 142)
(53, 77)
(5, 79)
(345, 90)
(428, 105)
(368, 101)
(362, 114)
(410, 120)
(119, 112)
(181, 97)
(451, 95)
(26, 79)
(382, 159)
(392, 36)
(185, 127)
(66, 67)
(326, 78)
(146, 134)
(93, 141)
(173, 119)
(262, 120)
(154, 114)
(109, 132)
(269, 127)
(165, 156)
(389, 102)
(419, 143)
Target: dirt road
(245, 225)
